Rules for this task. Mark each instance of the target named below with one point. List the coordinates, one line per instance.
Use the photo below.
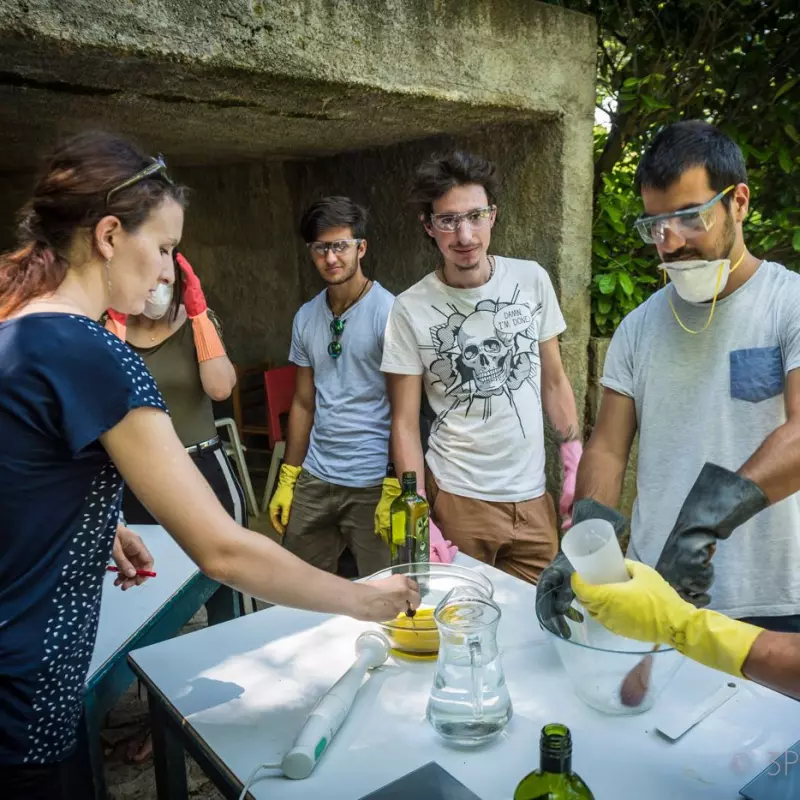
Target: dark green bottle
(554, 780)
(410, 516)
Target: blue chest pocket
(756, 373)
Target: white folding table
(235, 695)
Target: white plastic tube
(594, 552)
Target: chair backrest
(249, 400)
(279, 384)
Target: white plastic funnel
(594, 552)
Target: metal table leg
(168, 755)
(225, 605)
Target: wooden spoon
(636, 683)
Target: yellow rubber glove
(648, 609)
(391, 490)
(281, 503)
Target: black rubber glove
(553, 591)
(717, 504)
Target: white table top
(246, 687)
(124, 613)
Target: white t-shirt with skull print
(478, 352)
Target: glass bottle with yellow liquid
(410, 524)
(554, 780)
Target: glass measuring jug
(469, 703)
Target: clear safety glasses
(337, 248)
(477, 218)
(686, 224)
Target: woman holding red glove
(179, 339)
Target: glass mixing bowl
(613, 674)
(418, 636)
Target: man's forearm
(558, 402)
(774, 661)
(775, 466)
(301, 421)
(600, 476)
(407, 453)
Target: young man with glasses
(337, 446)
(480, 333)
(707, 371)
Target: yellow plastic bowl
(418, 636)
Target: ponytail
(33, 270)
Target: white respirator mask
(158, 303)
(699, 281)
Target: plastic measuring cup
(594, 552)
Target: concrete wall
(240, 235)
(14, 192)
(207, 80)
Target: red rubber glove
(206, 336)
(571, 453)
(117, 323)
(193, 298)
(443, 551)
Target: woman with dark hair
(190, 367)
(189, 379)
(80, 413)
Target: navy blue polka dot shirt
(64, 381)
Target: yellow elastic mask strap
(713, 302)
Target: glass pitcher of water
(469, 703)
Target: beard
(348, 271)
(721, 249)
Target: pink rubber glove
(443, 551)
(571, 453)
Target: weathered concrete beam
(236, 79)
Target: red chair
(279, 384)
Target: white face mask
(698, 281)
(159, 302)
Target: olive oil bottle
(554, 780)
(410, 521)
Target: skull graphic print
(487, 354)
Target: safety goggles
(337, 329)
(337, 248)
(158, 167)
(477, 218)
(686, 224)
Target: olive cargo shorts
(326, 518)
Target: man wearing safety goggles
(337, 443)
(707, 371)
(480, 336)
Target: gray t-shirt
(714, 396)
(349, 443)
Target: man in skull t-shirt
(486, 352)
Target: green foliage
(734, 63)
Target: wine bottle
(410, 515)
(554, 780)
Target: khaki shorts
(325, 518)
(518, 538)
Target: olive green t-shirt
(173, 364)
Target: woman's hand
(379, 601)
(130, 554)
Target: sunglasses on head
(158, 167)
